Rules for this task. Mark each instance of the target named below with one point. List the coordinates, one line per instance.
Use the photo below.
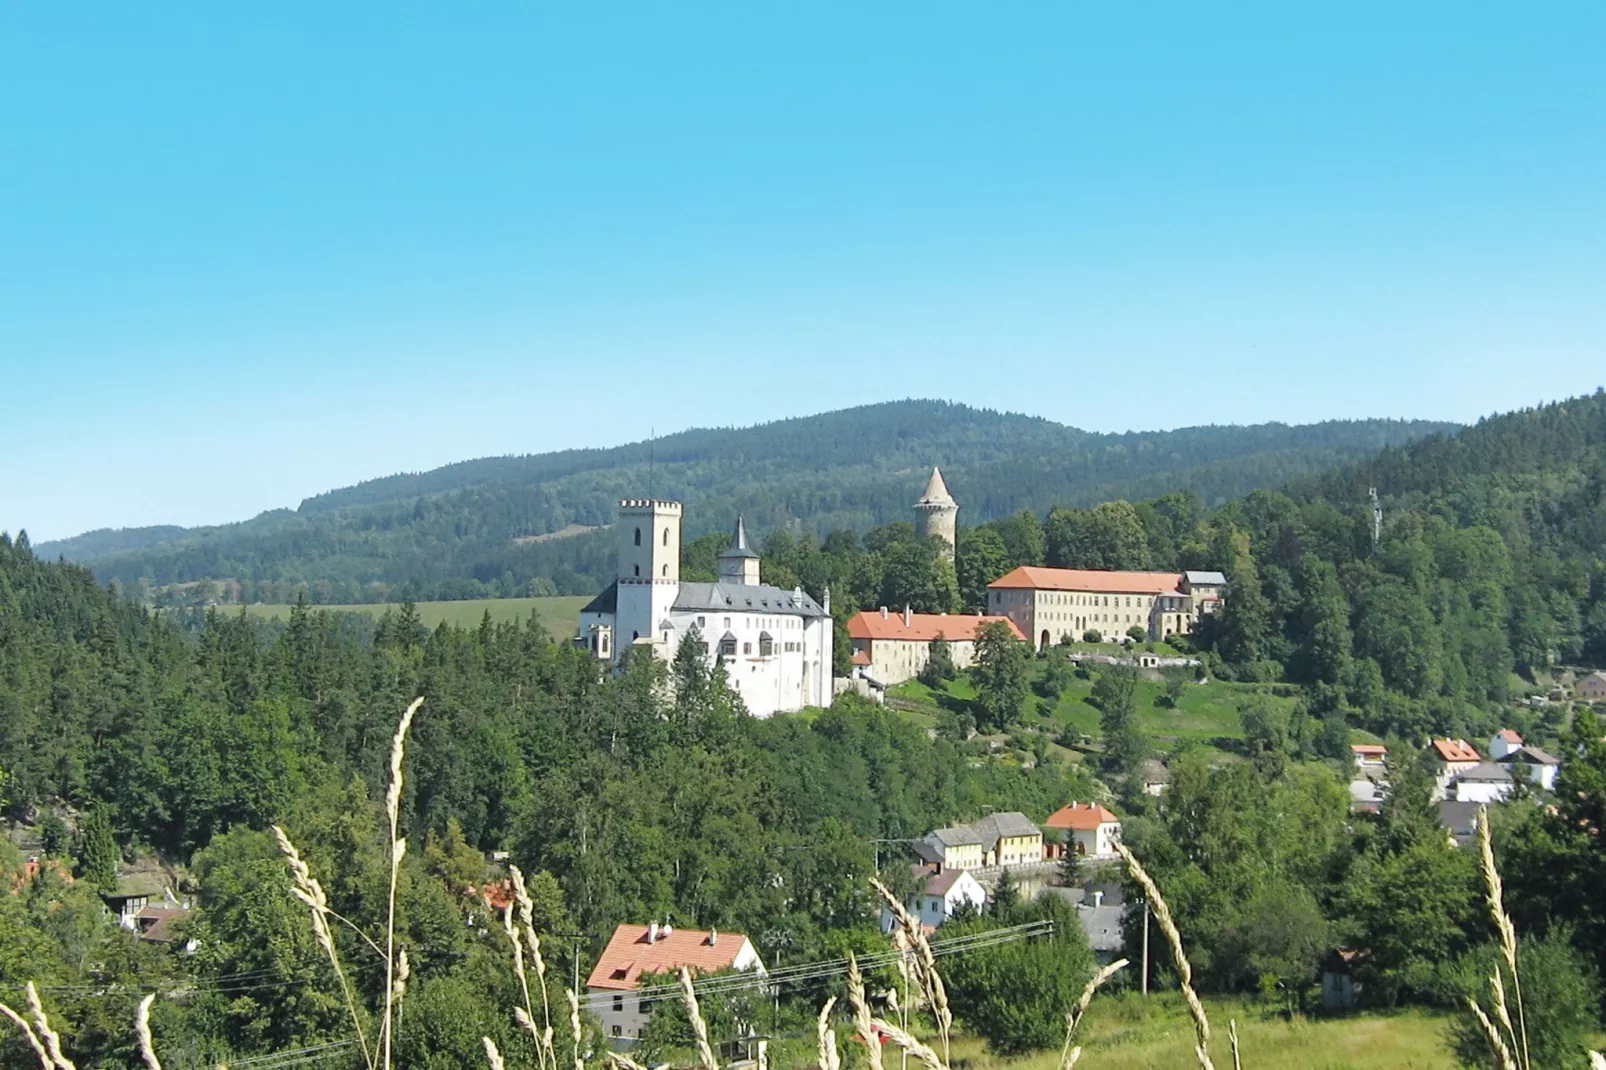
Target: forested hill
(464, 530)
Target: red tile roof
(1084, 817)
(1510, 735)
(1098, 581)
(1456, 750)
(1369, 749)
(860, 657)
(629, 955)
(923, 627)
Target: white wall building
(1485, 782)
(939, 897)
(775, 645)
(613, 989)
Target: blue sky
(252, 252)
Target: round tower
(938, 512)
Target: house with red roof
(894, 647)
(1369, 757)
(1053, 604)
(1455, 757)
(940, 895)
(1506, 741)
(634, 950)
(1092, 830)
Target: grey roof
(1205, 579)
(1459, 818)
(1487, 773)
(987, 831)
(1102, 925)
(745, 598)
(606, 602)
(1533, 756)
(738, 546)
(929, 851)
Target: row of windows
(638, 536)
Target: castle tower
(939, 513)
(739, 564)
(649, 569)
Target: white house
(1506, 741)
(1539, 766)
(894, 647)
(940, 896)
(1485, 782)
(1094, 831)
(612, 989)
(775, 645)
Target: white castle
(775, 644)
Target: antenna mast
(1377, 520)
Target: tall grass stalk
(925, 964)
(1068, 1054)
(1179, 957)
(1508, 946)
(33, 1038)
(398, 848)
(699, 1027)
(142, 1029)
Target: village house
(1506, 741)
(1538, 766)
(1591, 688)
(894, 647)
(1485, 782)
(1092, 830)
(938, 897)
(1054, 604)
(1369, 757)
(634, 950)
(1007, 839)
(1455, 756)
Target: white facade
(775, 645)
(939, 898)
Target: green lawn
(561, 614)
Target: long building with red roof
(635, 950)
(893, 647)
(1053, 604)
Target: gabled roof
(1196, 578)
(606, 602)
(1369, 750)
(1084, 817)
(1532, 755)
(1456, 750)
(987, 831)
(1100, 581)
(745, 598)
(1510, 735)
(1486, 773)
(942, 883)
(923, 627)
(630, 954)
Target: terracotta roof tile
(1101, 581)
(629, 955)
(1456, 750)
(923, 627)
(1084, 817)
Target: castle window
(638, 536)
(727, 646)
(766, 645)
(637, 568)
(666, 536)
(665, 571)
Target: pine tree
(98, 855)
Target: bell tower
(738, 563)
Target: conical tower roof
(738, 546)
(936, 490)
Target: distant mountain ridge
(457, 531)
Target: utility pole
(1145, 948)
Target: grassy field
(1125, 1033)
(561, 615)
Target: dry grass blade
(1492, 1033)
(1232, 1036)
(830, 1058)
(699, 1027)
(861, 1013)
(926, 972)
(309, 891)
(1597, 1061)
(493, 1056)
(620, 1061)
(398, 848)
(1068, 1055)
(521, 895)
(1179, 958)
(911, 1044)
(1508, 940)
(41, 1022)
(142, 1029)
(574, 1026)
(33, 1038)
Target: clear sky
(250, 252)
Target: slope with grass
(560, 614)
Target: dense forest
(471, 530)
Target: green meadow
(560, 614)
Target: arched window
(638, 536)
(638, 569)
(665, 571)
(666, 536)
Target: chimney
(713, 937)
(908, 618)
(883, 612)
(652, 932)
(667, 931)
(1098, 900)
